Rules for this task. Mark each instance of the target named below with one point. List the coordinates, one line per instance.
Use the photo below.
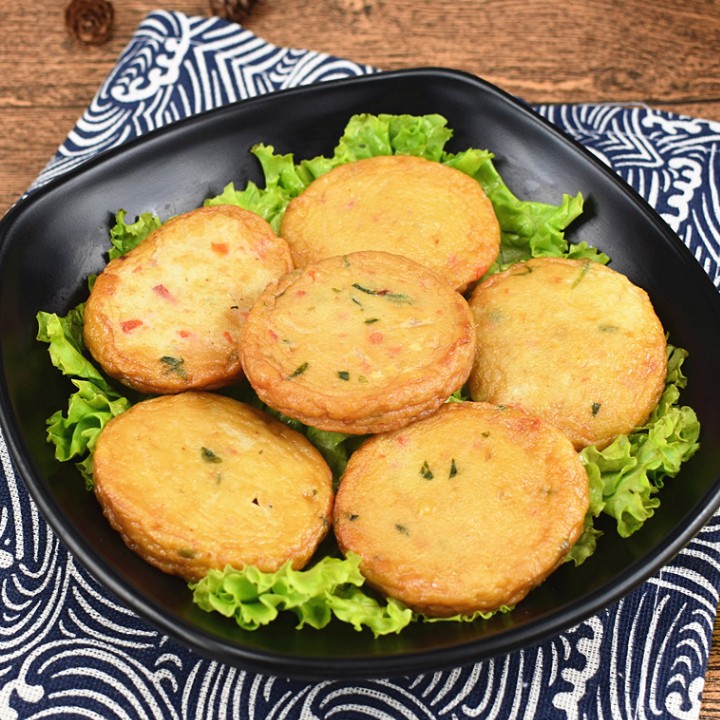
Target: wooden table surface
(665, 53)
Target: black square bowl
(50, 242)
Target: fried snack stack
(353, 320)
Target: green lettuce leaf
(64, 336)
(586, 543)
(91, 406)
(332, 588)
(125, 236)
(335, 447)
(627, 475)
(328, 589)
(528, 228)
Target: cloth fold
(68, 648)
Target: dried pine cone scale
(90, 21)
(234, 10)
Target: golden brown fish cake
(197, 480)
(358, 344)
(166, 316)
(436, 215)
(571, 341)
(464, 511)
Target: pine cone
(234, 10)
(89, 21)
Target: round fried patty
(463, 511)
(571, 341)
(361, 343)
(436, 215)
(166, 316)
(196, 481)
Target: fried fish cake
(197, 480)
(464, 511)
(436, 215)
(358, 344)
(571, 341)
(166, 316)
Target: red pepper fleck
(300, 293)
(184, 333)
(130, 325)
(273, 335)
(229, 337)
(220, 248)
(163, 292)
(376, 337)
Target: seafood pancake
(197, 481)
(358, 344)
(571, 341)
(166, 316)
(464, 511)
(434, 214)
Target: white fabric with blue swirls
(68, 649)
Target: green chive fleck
(187, 553)
(608, 328)
(595, 408)
(453, 469)
(394, 296)
(583, 272)
(370, 321)
(426, 472)
(174, 364)
(343, 374)
(299, 370)
(402, 529)
(209, 456)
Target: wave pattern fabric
(69, 649)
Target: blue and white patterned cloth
(68, 649)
